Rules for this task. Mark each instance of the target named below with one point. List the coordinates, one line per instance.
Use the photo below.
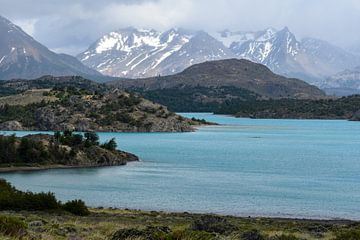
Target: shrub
(12, 199)
(76, 207)
(215, 224)
(284, 237)
(12, 226)
(353, 234)
(252, 235)
(91, 138)
(110, 145)
(161, 233)
(189, 234)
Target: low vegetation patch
(13, 199)
(213, 224)
(12, 226)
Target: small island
(61, 150)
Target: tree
(77, 139)
(68, 133)
(91, 139)
(57, 135)
(110, 145)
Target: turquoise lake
(247, 167)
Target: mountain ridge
(21, 56)
(169, 52)
(231, 72)
(134, 53)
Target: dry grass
(28, 97)
(103, 223)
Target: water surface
(288, 168)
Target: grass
(28, 97)
(104, 223)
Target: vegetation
(67, 106)
(12, 87)
(31, 149)
(117, 224)
(197, 99)
(342, 108)
(23, 114)
(28, 215)
(243, 103)
(12, 226)
(66, 149)
(13, 199)
(76, 207)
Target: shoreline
(280, 217)
(50, 167)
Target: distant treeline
(244, 103)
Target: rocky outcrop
(96, 156)
(356, 116)
(11, 126)
(80, 110)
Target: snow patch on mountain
(131, 52)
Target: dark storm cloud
(71, 25)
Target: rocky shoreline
(12, 169)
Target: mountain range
(134, 53)
(21, 56)
(344, 83)
(142, 53)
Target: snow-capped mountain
(309, 59)
(23, 57)
(343, 83)
(143, 53)
(136, 53)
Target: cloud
(72, 25)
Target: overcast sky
(70, 26)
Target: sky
(70, 26)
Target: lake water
(287, 168)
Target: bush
(160, 233)
(284, 237)
(189, 234)
(213, 224)
(91, 139)
(12, 226)
(252, 235)
(76, 207)
(110, 145)
(353, 234)
(12, 199)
